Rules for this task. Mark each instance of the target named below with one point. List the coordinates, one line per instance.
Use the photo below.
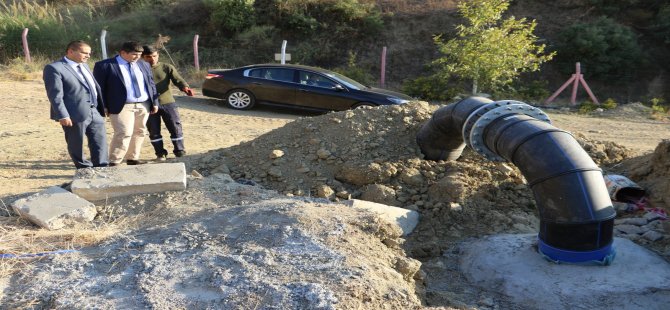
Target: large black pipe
(576, 213)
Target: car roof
(288, 66)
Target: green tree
(231, 16)
(604, 47)
(488, 51)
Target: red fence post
(195, 53)
(24, 38)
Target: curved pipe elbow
(576, 213)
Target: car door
(274, 85)
(318, 91)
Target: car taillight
(213, 76)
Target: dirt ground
(222, 244)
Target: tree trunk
(474, 87)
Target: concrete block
(55, 208)
(406, 219)
(511, 265)
(102, 183)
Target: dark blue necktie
(91, 88)
(133, 80)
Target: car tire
(363, 104)
(240, 99)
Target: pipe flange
(507, 107)
(473, 117)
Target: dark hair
(148, 50)
(132, 47)
(76, 45)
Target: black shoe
(179, 153)
(132, 162)
(161, 155)
(113, 164)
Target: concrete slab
(102, 183)
(406, 219)
(55, 208)
(510, 264)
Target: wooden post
(382, 80)
(196, 61)
(24, 38)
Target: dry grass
(18, 236)
(19, 70)
(195, 78)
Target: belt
(137, 102)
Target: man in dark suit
(129, 93)
(77, 105)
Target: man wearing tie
(77, 105)
(129, 93)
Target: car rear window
(276, 74)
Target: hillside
(348, 36)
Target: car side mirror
(338, 87)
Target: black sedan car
(294, 86)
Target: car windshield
(349, 83)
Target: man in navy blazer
(129, 93)
(77, 105)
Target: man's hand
(106, 112)
(154, 109)
(188, 91)
(65, 122)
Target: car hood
(386, 92)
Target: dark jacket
(108, 74)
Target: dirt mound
(652, 172)
(372, 154)
(222, 245)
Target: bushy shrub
(352, 70)
(526, 91)
(341, 21)
(587, 107)
(230, 16)
(604, 47)
(609, 104)
(432, 88)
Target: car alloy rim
(239, 99)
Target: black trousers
(169, 114)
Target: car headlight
(397, 100)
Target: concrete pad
(55, 208)
(102, 183)
(511, 265)
(406, 219)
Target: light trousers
(130, 129)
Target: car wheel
(363, 104)
(240, 99)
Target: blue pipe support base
(603, 256)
